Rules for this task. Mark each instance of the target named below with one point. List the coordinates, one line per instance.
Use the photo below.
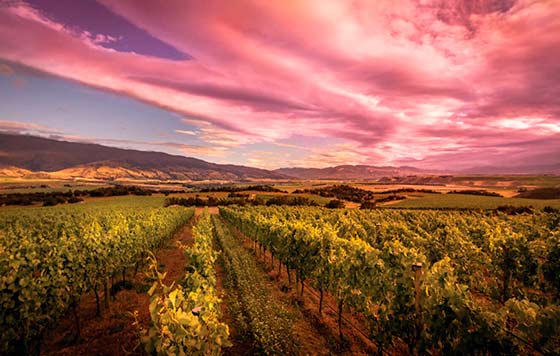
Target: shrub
(390, 198)
(514, 210)
(368, 205)
(50, 202)
(73, 200)
(481, 192)
(541, 193)
(335, 204)
(342, 192)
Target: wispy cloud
(339, 154)
(186, 132)
(186, 149)
(407, 81)
(26, 128)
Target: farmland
(279, 178)
(436, 193)
(275, 280)
(425, 282)
(52, 257)
(462, 201)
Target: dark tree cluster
(476, 192)
(47, 199)
(118, 190)
(238, 195)
(341, 192)
(541, 193)
(70, 196)
(291, 201)
(166, 192)
(368, 205)
(515, 210)
(408, 190)
(335, 204)
(212, 201)
(550, 210)
(390, 198)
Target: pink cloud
(397, 81)
(26, 128)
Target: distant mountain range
(350, 172)
(39, 157)
(30, 156)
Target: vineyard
(412, 282)
(50, 258)
(426, 282)
(185, 318)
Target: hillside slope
(71, 159)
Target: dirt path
(355, 341)
(239, 347)
(306, 334)
(213, 210)
(114, 333)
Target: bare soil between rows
(317, 334)
(114, 332)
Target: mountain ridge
(40, 157)
(64, 159)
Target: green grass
(50, 189)
(316, 198)
(18, 185)
(127, 201)
(470, 201)
(258, 317)
(201, 195)
(290, 187)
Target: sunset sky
(434, 84)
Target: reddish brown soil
(114, 333)
(212, 210)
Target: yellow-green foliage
(185, 317)
(442, 282)
(50, 257)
